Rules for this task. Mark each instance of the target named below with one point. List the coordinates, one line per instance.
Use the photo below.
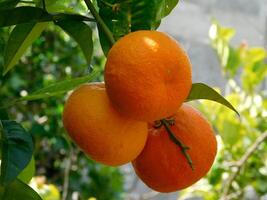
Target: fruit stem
(183, 147)
(100, 22)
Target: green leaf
(18, 190)
(123, 17)
(74, 17)
(28, 14)
(56, 89)
(28, 172)
(255, 54)
(60, 87)
(220, 33)
(55, 6)
(4, 4)
(202, 91)
(230, 132)
(19, 40)
(168, 6)
(81, 33)
(24, 14)
(17, 150)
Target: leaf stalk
(100, 22)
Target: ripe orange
(99, 130)
(162, 166)
(147, 75)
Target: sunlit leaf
(28, 172)
(18, 190)
(56, 6)
(81, 33)
(16, 152)
(233, 62)
(230, 132)
(56, 89)
(202, 91)
(20, 39)
(218, 32)
(255, 54)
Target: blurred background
(226, 41)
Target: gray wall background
(190, 21)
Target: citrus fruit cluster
(138, 114)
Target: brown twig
(67, 174)
(239, 164)
(100, 22)
(183, 147)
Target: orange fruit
(99, 130)
(147, 75)
(162, 166)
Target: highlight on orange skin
(148, 75)
(162, 166)
(99, 130)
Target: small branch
(115, 7)
(239, 164)
(44, 6)
(183, 147)
(100, 22)
(66, 174)
(107, 4)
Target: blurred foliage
(46, 191)
(245, 70)
(53, 57)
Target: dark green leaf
(18, 190)
(16, 152)
(4, 4)
(127, 16)
(75, 17)
(168, 6)
(81, 33)
(22, 15)
(202, 91)
(28, 172)
(27, 14)
(19, 40)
